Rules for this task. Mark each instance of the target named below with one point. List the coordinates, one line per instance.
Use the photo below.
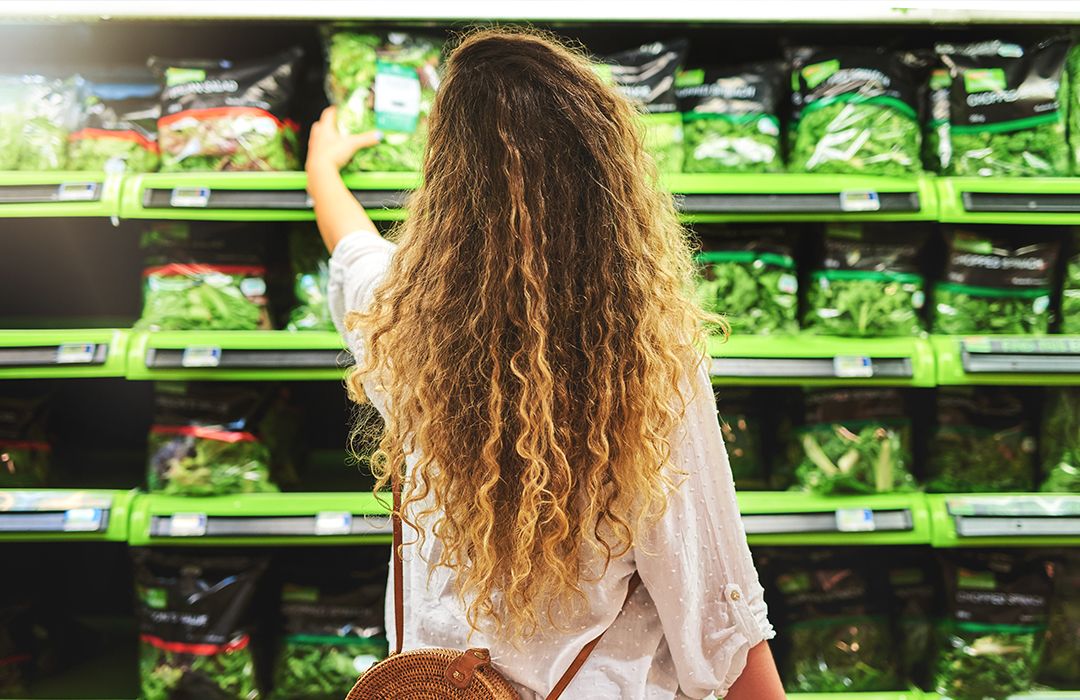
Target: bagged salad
(221, 115)
(937, 146)
(194, 634)
(730, 119)
(25, 451)
(854, 111)
(311, 279)
(1005, 108)
(742, 422)
(997, 606)
(869, 284)
(855, 441)
(1070, 289)
(202, 444)
(748, 275)
(912, 579)
(983, 442)
(646, 76)
(119, 128)
(996, 281)
(387, 82)
(1072, 71)
(37, 114)
(1059, 443)
(1058, 668)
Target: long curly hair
(532, 331)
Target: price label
(853, 366)
(333, 523)
(855, 520)
(77, 192)
(855, 200)
(75, 353)
(83, 520)
(190, 197)
(187, 525)
(201, 356)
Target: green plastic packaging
(311, 279)
(1059, 443)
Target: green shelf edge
(944, 536)
(115, 362)
(783, 502)
(950, 368)
(107, 206)
(116, 531)
(951, 207)
(131, 206)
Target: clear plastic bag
(37, 114)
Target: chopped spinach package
(1059, 444)
(386, 82)
(646, 76)
(1059, 668)
(25, 451)
(202, 444)
(311, 279)
(989, 643)
(983, 441)
(855, 441)
(742, 419)
(870, 284)
(912, 579)
(1070, 289)
(119, 129)
(730, 119)
(937, 146)
(37, 113)
(1005, 108)
(221, 115)
(855, 111)
(996, 281)
(194, 634)
(748, 275)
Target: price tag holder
(201, 356)
(859, 201)
(83, 519)
(853, 367)
(190, 197)
(75, 353)
(855, 520)
(333, 523)
(77, 192)
(187, 525)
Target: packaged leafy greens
(748, 275)
(1070, 291)
(646, 76)
(202, 444)
(869, 284)
(37, 113)
(1072, 70)
(937, 146)
(912, 582)
(1059, 444)
(983, 442)
(997, 280)
(194, 635)
(1059, 668)
(119, 129)
(386, 82)
(25, 451)
(730, 119)
(311, 277)
(854, 111)
(997, 606)
(221, 115)
(1005, 108)
(742, 421)
(855, 441)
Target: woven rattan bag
(443, 674)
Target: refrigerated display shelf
(62, 353)
(792, 518)
(59, 194)
(993, 520)
(1019, 200)
(64, 515)
(1013, 360)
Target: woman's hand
(328, 148)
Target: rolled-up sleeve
(358, 265)
(695, 562)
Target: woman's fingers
(364, 140)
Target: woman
(532, 347)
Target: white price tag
(75, 353)
(201, 356)
(77, 192)
(187, 525)
(82, 520)
(853, 366)
(855, 520)
(332, 523)
(855, 200)
(190, 197)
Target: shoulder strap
(399, 600)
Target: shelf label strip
(187, 525)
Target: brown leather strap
(461, 670)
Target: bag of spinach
(854, 111)
(983, 442)
(1005, 108)
(742, 421)
(119, 129)
(201, 442)
(25, 451)
(937, 146)
(646, 76)
(912, 577)
(385, 82)
(997, 605)
(1058, 668)
(221, 115)
(193, 611)
(730, 119)
(1059, 443)
(748, 275)
(869, 284)
(1070, 292)
(855, 441)
(311, 278)
(37, 113)
(996, 281)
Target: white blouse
(685, 633)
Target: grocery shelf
(236, 355)
(1016, 519)
(794, 518)
(821, 360)
(1005, 359)
(59, 194)
(64, 515)
(259, 519)
(66, 353)
(1003, 200)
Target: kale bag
(983, 442)
(25, 451)
(1005, 108)
(989, 643)
(201, 442)
(742, 421)
(730, 119)
(311, 280)
(1059, 443)
(870, 284)
(1070, 291)
(37, 114)
(646, 76)
(1059, 668)
(221, 115)
(748, 275)
(855, 441)
(854, 111)
(194, 636)
(119, 129)
(996, 281)
(385, 82)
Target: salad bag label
(854, 111)
(119, 129)
(220, 115)
(1005, 108)
(311, 281)
(25, 451)
(37, 114)
(1059, 441)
